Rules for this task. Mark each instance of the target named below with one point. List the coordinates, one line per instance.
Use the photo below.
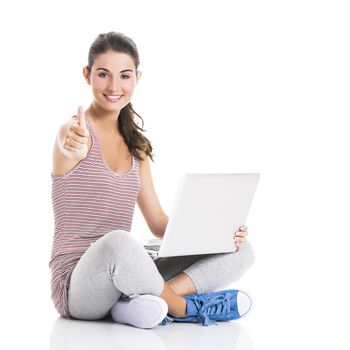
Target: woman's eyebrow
(122, 71)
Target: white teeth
(114, 97)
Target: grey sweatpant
(117, 264)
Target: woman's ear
(86, 75)
(138, 75)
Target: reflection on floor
(106, 334)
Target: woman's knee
(117, 239)
(120, 245)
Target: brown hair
(131, 132)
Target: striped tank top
(88, 201)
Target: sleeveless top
(88, 201)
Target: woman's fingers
(240, 236)
(239, 244)
(241, 233)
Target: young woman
(101, 168)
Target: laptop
(207, 210)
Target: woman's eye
(103, 75)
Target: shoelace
(208, 307)
(213, 306)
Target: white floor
(69, 334)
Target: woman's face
(113, 79)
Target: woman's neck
(107, 122)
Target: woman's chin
(108, 107)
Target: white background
(227, 86)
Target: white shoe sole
(142, 311)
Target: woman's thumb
(81, 117)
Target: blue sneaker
(207, 308)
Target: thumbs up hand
(75, 141)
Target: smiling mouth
(112, 98)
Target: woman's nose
(114, 84)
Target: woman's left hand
(240, 236)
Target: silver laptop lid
(207, 210)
